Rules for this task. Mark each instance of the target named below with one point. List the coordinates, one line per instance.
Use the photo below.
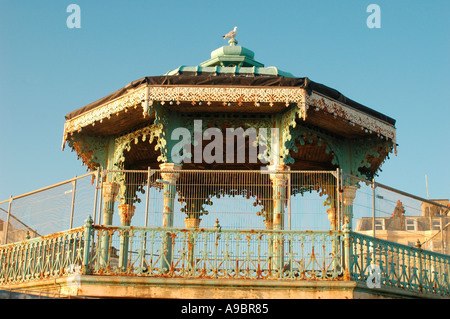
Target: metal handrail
(395, 190)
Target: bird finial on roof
(230, 35)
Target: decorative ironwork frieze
(227, 94)
(123, 143)
(98, 114)
(367, 122)
(146, 96)
(90, 149)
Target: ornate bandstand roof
(233, 86)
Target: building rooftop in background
(430, 229)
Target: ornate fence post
(420, 270)
(87, 244)
(97, 183)
(191, 224)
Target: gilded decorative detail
(240, 95)
(354, 116)
(126, 212)
(288, 126)
(360, 165)
(192, 222)
(106, 110)
(349, 195)
(278, 179)
(268, 224)
(90, 149)
(298, 103)
(232, 120)
(226, 94)
(162, 119)
(123, 143)
(302, 135)
(148, 95)
(110, 191)
(168, 172)
(331, 212)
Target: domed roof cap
(234, 60)
(232, 50)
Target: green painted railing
(53, 256)
(212, 253)
(216, 253)
(383, 263)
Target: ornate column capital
(126, 212)
(349, 195)
(110, 191)
(192, 222)
(278, 179)
(268, 224)
(171, 177)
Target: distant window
(379, 224)
(436, 224)
(411, 224)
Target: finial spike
(232, 42)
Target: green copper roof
(231, 60)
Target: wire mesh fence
(4, 206)
(234, 199)
(229, 199)
(387, 213)
(49, 210)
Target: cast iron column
(279, 182)
(349, 197)
(110, 190)
(126, 212)
(169, 175)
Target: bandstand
(228, 179)
(229, 113)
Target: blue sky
(48, 70)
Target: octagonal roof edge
(194, 79)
